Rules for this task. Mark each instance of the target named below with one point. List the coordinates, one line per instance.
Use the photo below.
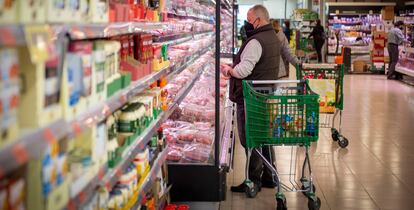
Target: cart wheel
(281, 204)
(314, 205)
(335, 134)
(305, 193)
(335, 137)
(251, 192)
(343, 142)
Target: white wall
(276, 8)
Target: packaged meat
(204, 137)
(196, 153)
(174, 153)
(186, 135)
(202, 125)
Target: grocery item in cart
(325, 88)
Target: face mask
(248, 26)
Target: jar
(141, 161)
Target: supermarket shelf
(352, 14)
(93, 31)
(354, 45)
(409, 3)
(357, 30)
(139, 196)
(353, 53)
(111, 177)
(406, 71)
(30, 145)
(179, 38)
(102, 111)
(12, 35)
(361, 4)
(178, 16)
(345, 23)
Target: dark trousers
(394, 55)
(318, 48)
(257, 170)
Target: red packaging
(119, 11)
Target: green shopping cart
(281, 113)
(330, 108)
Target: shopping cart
(333, 72)
(281, 113)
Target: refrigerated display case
(200, 131)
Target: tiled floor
(376, 171)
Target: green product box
(126, 79)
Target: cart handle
(273, 81)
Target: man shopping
(258, 59)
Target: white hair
(260, 11)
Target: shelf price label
(71, 205)
(77, 130)
(123, 99)
(82, 197)
(20, 153)
(6, 36)
(49, 137)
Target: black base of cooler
(196, 183)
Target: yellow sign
(325, 88)
(38, 39)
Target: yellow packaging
(8, 11)
(59, 197)
(33, 11)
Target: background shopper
(286, 30)
(318, 34)
(286, 54)
(395, 38)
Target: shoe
(240, 188)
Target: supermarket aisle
(374, 172)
